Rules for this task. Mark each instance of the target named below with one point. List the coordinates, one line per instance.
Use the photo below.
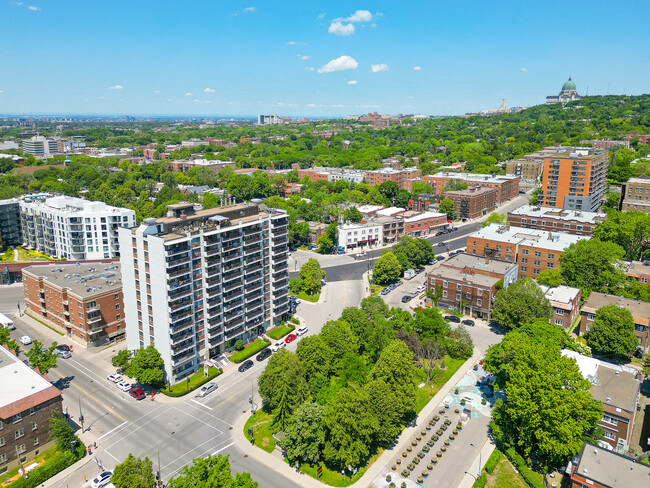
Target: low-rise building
(352, 235)
(27, 402)
(83, 301)
(474, 202)
(565, 304)
(393, 227)
(607, 143)
(469, 283)
(640, 314)
(423, 224)
(551, 219)
(422, 201)
(399, 176)
(595, 467)
(316, 229)
(617, 388)
(507, 185)
(636, 194)
(186, 164)
(638, 270)
(643, 139)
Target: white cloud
(417, 68)
(303, 57)
(320, 16)
(170, 99)
(309, 69)
(352, 82)
(312, 105)
(410, 97)
(101, 98)
(376, 68)
(116, 87)
(250, 9)
(359, 16)
(209, 90)
(32, 8)
(196, 100)
(292, 43)
(339, 64)
(156, 91)
(339, 29)
(338, 105)
(2, 91)
(524, 70)
(189, 94)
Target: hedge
(280, 331)
(250, 350)
(196, 380)
(481, 481)
(493, 461)
(528, 474)
(294, 320)
(50, 468)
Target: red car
(136, 393)
(290, 338)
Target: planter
(420, 454)
(446, 407)
(425, 474)
(405, 473)
(439, 454)
(462, 402)
(435, 437)
(456, 411)
(414, 443)
(444, 448)
(452, 437)
(459, 425)
(446, 443)
(428, 427)
(388, 478)
(409, 448)
(420, 479)
(483, 401)
(434, 461)
(455, 432)
(398, 462)
(456, 391)
(447, 422)
(393, 468)
(430, 442)
(429, 467)
(476, 367)
(411, 467)
(419, 437)
(426, 449)
(423, 433)
(439, 431)
(404, 454)
(441, 411)
(416, 460)
(436, 418)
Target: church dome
(569, 85)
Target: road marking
(114, 428)
(136, 429)
(198, 419)
(142, 416)
(199, 403)
(92, 397)
(224, 447)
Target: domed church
(567, 94)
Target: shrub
(527, 473)
(239, 345)
(50, 468)
(493, 461)
(196, 381)
(250, 350)
(294, 320)
(481, 481)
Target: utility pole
(81, 416)
(159, 474)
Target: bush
(196, 380)
(50, 468)
(528, 474)
(294, 320)
(493, 461)
(239, 345)
(280, 331)
(250, 350)
(481, 481)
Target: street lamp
(479, 459)
(159, 474)
(81, 416)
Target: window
(36, 442)
(535, 271)
(479, 302)
(18, 417)
(536, 262)
(590, 316)
(610, 420)
(117, 296)
(117, 306)
(457, 296)
(524, 260)
(32, 410)
(444, 284)
(19, 433)
(3, 458)
(559, 311)
(444, 293)
(118, 317)
(549, 265)
(2, 441)
(558, 322)
(524, 269)
(20, 449)
(609, 435)
(538, 254)
(524, 252)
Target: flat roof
(479, 178)
(84, 280)
(541, 239)
(390, 211)
(634, 268)
(644, 180)
(471, 191)
(610, 468)
(559, 214)
(561, 294)
(479, 263)
(640, 310)
(425, 216)
(458, 275)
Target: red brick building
(474, 202)
(638, 270)
(507, 185)
(595, 467)
(399, 176)
(565, 304)
(424, 223)
(84, 301)
(551, 219)
(643, 139)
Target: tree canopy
(520, 303)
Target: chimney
(487, 260)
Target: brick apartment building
(565, 304)
(507, 185)
(640, 314)
(469, 283)
(643, 139)
(638, 270)
(26, 405)
(532, 249)
(474, 202)
(549, 219)
(84, 301)
(599, 468)
(607, 144)
(421, 202)
(636, 194)
(424, 223)
(399, 176)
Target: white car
(298, 301)
(421, 288)
(302, 330)
(25, 340)
(278, 345)
(101, 480)
(124, 385)
(209, 388)
(115, 378)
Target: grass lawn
(7, 256)
(505, 476)
(376, 289)
(427, 392)
(263, 429)
(250, 350)
(196, 380)
(46, 325)
(335, 478)
(30, 255)
(310, 298)
(280, 331)
(40, 459)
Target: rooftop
(610, 468)
(478, 263)
(83, 280)
(493, 178)
(72, 205)
(352, 225)
(390, 211)
(560, 296)
(559, 214)
(424, 216)
(471, 191)
(640, 310)
(643, 180)
(460, 275)
(582, 153)
(634, 268)
(541, 239)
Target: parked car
(246, 365)
(442, 244)
(209, 388)
(278, 345)
(302, 330)
(385, 291)
(25, 340)
(264, 354)
(414, 294)
(399, 283)
(392, 286)
(115, 378)
(468, 323)
(124, 385)
(452, 318)
(421, 288)
(440, 258)
(137, 393)
(452, 253)
(290, 338)
(406, 298)
(440, 232)
(65, 354)
(101, 480)
(63, 347)
(419, 270)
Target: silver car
(209, 388)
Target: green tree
(386, 407)
(646, 366)
(340, 339)
(387, 269)
(42, 358)
(5, 339)
(592, 266)
(304, 437)
(352, 369)
(61, 432)
(429, 324)
(495, 218)
(459, 343)
(283, 375)
(447, 206)
(146, 366)
(353, 215)
(521, 303)
(534, 196)
(134, 473)
(629, 230)
(612, 333)
(122, 359)
(311, 275)
(395, 367)
(551, 277)
(211, 471)
(315, 356)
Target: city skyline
(241, 59)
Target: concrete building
(575, 180)
(353, 235)
(533, 250)
(568, 93)
(474, 202)
(83, 301)
(197, 281)
(194, 142)
(393, 227)
(550, 219)
(186, 164)
(636, 195)
(507, 185)
(595, 467)
(469, 283)
(565, 304)
(640, 314)
(271, 119)
(423, 224)
(27, 402)
(638, 270)
(617, 388)
(10, 234)
(72, 228)
(40, 146)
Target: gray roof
(610, 468)
(559, 214)
(478, 263)
(541, 239)
(640, 310)
(84, 280)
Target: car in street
(421, 288)
(65, 354)
(63, 347)
(452, 318)
(264, 354)
(442, 244)
(137, 393)
(25, 340)
(246, 365)
(414, 294)
(115, 378)
(468, 323)
(399, 283)
(297, 301)
(440, 258)
(302, 330)
(290, 338)
(440, 232)
(206, 389)
(101, 480)
(406, 298)
(452, 253)
(278, 345)
(419, 270)
(385, 291)
(124, 385)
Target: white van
(7, 322)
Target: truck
(409, 273)
(6, 322)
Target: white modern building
(352, 235)
(40, 146)
(195, 282)
(271, 119)
(72, 228)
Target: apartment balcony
(174, 319)
(212, 270)
(231, 246)
(183, 347)
(250, 280)
(234, 332)
(95, 319)
(232, 275)
(180, 293)
(231, 286)
(255, 295)
(173, 272)
(280, 241)
(281, 309)
(178, 306)
(231, 324)
(178, 360)
(175, 339)
(174, 251)
(230, 317)
(249, 270)
(254, 258)
(232, 257)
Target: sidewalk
(272, 461)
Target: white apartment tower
(72, 228)
(40, 146)
(196, 281)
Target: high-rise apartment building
(40, 146)
(271, 119)
(196, 281)
(575, 180)
(73, 228)
(10, 223)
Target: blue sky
(212, 57)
